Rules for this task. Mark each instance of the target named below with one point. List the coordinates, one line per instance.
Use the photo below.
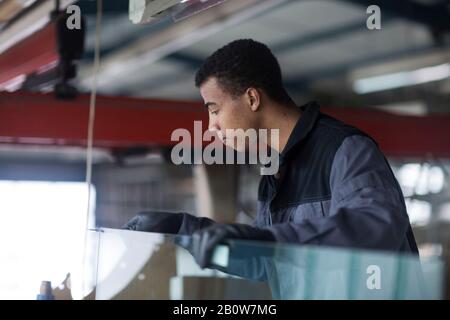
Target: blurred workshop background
(392, 82)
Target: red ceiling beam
(30, 55)
(400, 135)
(126, 122)
(119, 122)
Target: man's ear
(253, 98)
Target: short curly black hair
(242, 64)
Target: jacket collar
(307, 120)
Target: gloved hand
(204, 240)
(156, 221)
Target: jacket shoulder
(336, 129)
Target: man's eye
(215, 112)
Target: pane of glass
(140, 265)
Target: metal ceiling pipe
(10, 8)
(123, 63)
(29, 23)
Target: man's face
(228, 112)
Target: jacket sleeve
(367, 206)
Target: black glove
(204, 241)
(156, 221)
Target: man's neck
(283, 118)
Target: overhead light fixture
(402, 79)
(145, 11)
(410, 108)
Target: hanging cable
(90, 133)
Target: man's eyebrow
(207, 104)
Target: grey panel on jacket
(367, 208)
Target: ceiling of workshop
(321, 45)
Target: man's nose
(213, 125)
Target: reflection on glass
(138, 265)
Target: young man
(334, 187)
